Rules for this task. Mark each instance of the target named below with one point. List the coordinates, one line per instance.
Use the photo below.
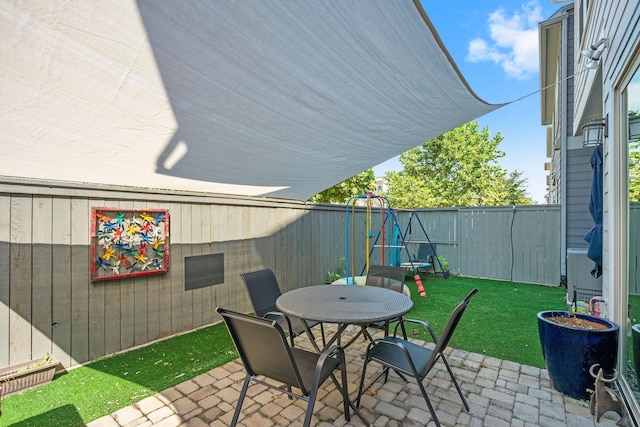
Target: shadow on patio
(500, 393)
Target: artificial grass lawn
(106, 385)
(500, 322)
(501, 318)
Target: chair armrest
(273, 314)
(335, 351)
(399, 345)
(416, 322)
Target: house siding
(579, 178)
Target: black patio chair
(265, 352)
(413, 360)
(263, 291)
(390, 277)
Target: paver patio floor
(499, 393)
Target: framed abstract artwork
(128, 242)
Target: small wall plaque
(203, 270)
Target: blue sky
(494, 43)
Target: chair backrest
(263, 348)
(426, 252)
(449, 329)
(386, 276)
(263, 290)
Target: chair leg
(243, 393)
(348, 402)
(324, 340)
(345, 392)
(387, 325)
(404, 330)
(453, 378)
(310, 404)
(361, 389)
(311, 401)
(426, 399)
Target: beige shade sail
(274, 98)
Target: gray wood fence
(49, 304)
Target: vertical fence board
(216, 248)
(279, 262)
(302, 244)
(162, 290)
(5, 254)
(61, 280)
(80, 280)
(234, 225)
(42, 273)
(140, 300)
(97, 318)
(187, 296)
(127, 303)
(112, 324)
(205, 249)
(176, 272)
(112, 308)
(154, 283)
(20, 272)
(195, 246)
(221, 235)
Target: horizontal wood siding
(579, 219)
(49, 304)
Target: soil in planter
(577, 322)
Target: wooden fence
(48, 302)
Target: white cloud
(513, 41)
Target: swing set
(389, 238)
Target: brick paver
(499, 393)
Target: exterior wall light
(595, 131)
(594, 53)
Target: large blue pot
(569, 352)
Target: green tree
(458, 168)
(634, 159)
(634, 171)
(340, 193)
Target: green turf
(500, 322)
(102, 387)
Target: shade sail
(248, 97)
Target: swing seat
(350, 280)
(417, 265)
(424, 258)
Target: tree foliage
(340, 193)
(634, 171)
(458, 168)
(634, 160)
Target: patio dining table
(344, 305)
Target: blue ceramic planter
(569, 352)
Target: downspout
(563, 149)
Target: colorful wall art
(128, 242)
